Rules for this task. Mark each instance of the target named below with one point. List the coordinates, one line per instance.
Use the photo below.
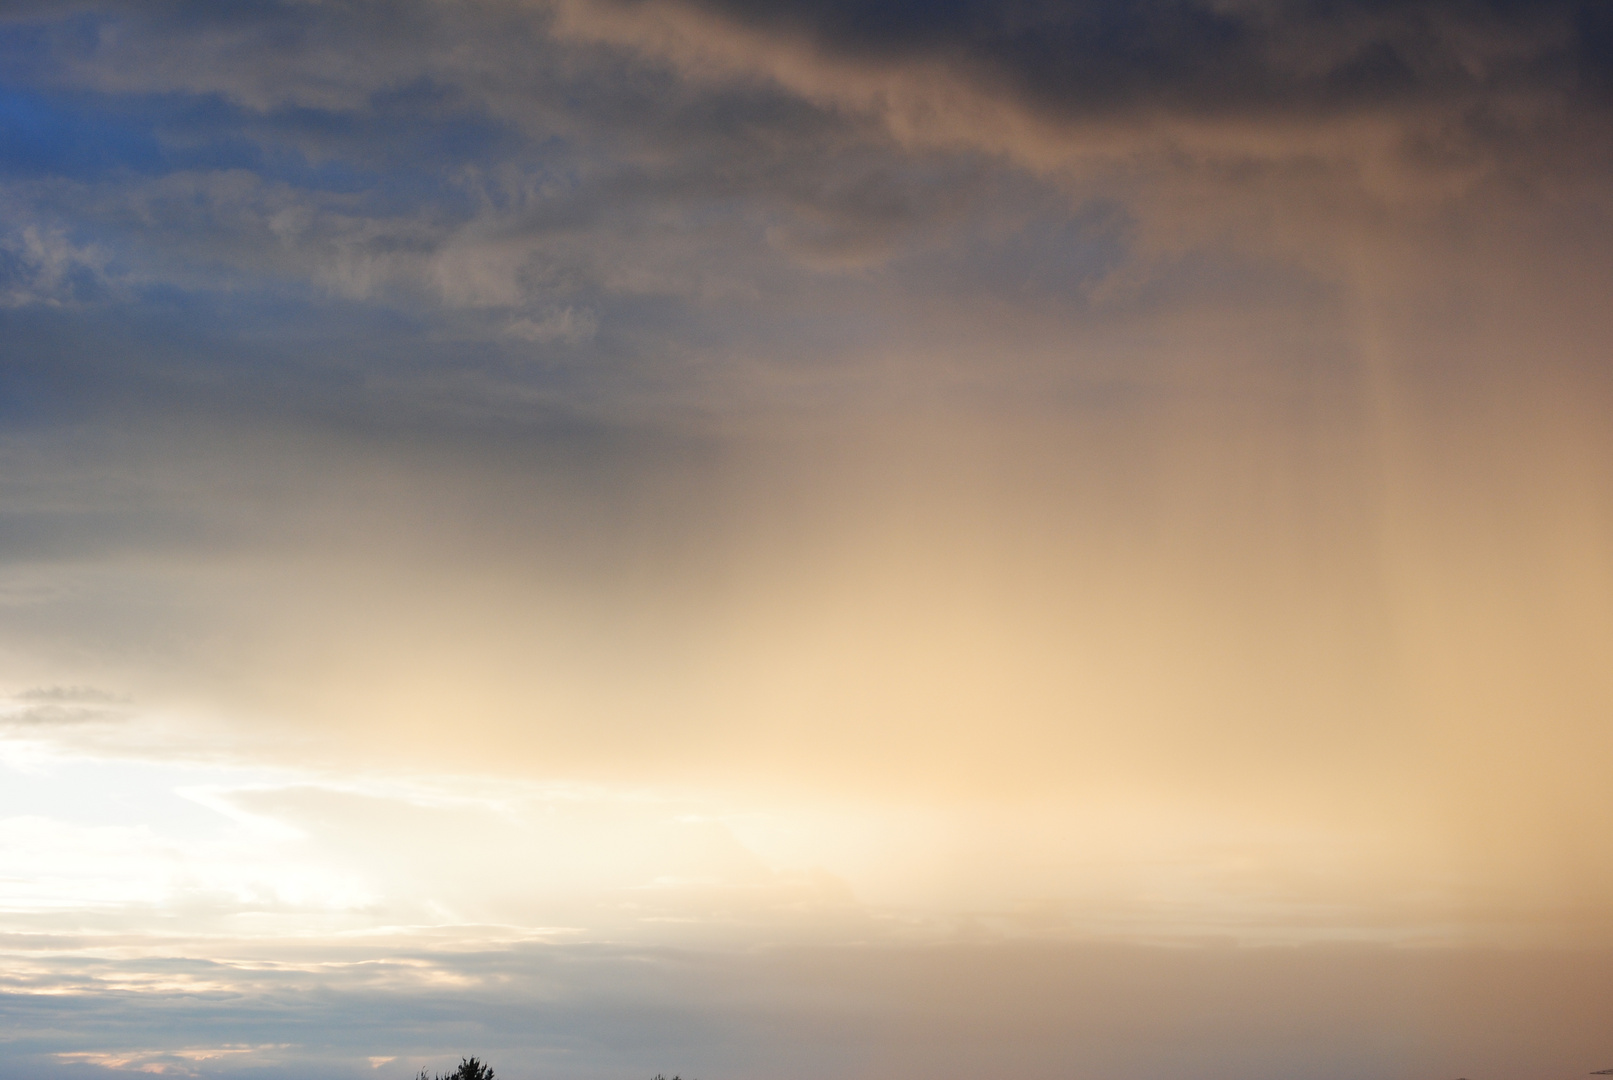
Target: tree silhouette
(469, 1069)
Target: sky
(784, 540)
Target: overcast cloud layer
(784, 539)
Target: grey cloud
(264, 56)
(1092, 1012)
(52, 716)
(1406, 103)
(621, 137)
(632, 229)
(1265, 56)
(74, 695)
(43, 266)
(46, 707)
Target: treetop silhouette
(469, 1069)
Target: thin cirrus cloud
(763, 533)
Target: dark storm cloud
(338, 207)
(302, 146)
(1402, 102)
(518, 192)
(1267, 56)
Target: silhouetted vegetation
(469, 1069)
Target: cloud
(567, 324)
(44, 267)
(53, 715)
(46, 708)
(1429, 86)
(70, 694)
(1088, 1011)
(697, 228)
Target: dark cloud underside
(1276, 58)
